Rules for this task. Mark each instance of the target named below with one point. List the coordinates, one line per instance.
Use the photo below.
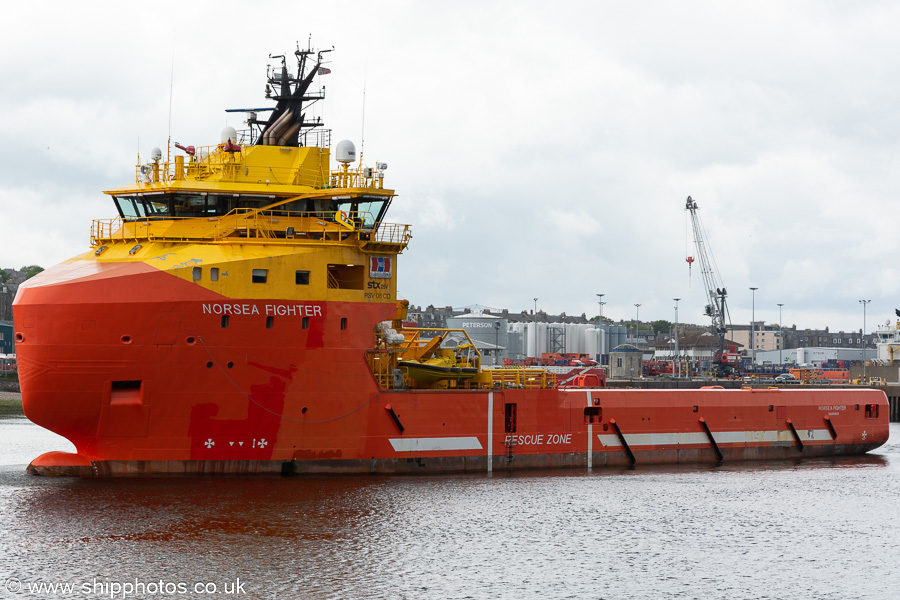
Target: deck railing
(251, 225)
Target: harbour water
(797, 529)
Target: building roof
(693, 339)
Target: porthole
(126, 339)
(230, 364)
(190, 341)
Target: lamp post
(780, 327)
(637, 318)
(534, 320)
(677, 359)
(752, 326)
(862, 345)
(600, 304)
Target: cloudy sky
(539, 149)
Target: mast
(288, 120)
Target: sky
(538, 149)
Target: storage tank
(592, 343)
(575, 338)
(515, 339)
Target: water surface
(825, 528)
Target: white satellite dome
(155, 154)
(346, 152)
(229, 133)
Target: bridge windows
(260, 275)
(301, 277)
(162, 205)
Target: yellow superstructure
(228, 219)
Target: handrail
(249, 224)
(225, 164)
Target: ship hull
(147, 387)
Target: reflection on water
(825, 528)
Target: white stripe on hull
(722, 437)
(432, 444)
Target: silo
(592, 342)
(542, 339)
(515, 336)
(575, 338)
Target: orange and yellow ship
(240, 316)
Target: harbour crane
(716, 308)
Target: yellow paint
(220, 253)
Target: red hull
(160, 386)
